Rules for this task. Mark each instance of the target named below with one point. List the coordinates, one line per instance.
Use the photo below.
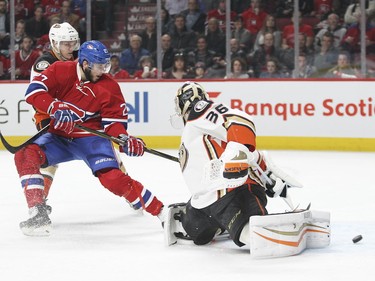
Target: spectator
(287, 55)
(65, 15)
(351, 41)
(148, 35)
(179, 69)
(265, 52)
(238, 69)
(305, 70)
(284, 8)
(220, 15)
(235, 50)
(19, 34)
(323, 8)
(78, 7)
(51, 7)
(353, 11)
(201, 53)
(25, 58)
(130, 57)
(166, 22)
(167, 53)
(215, 38)
(288, 34)
(4, 66)
(254, 17)
(273, 69)
(208, 5)
(269, 25)
(21, 11)
(182, 39)
(116, 72)
(175, 7)
(147, 69)
(239, 6)
(200, 70)
(4, 25)
(343, 69)
(37, 26)
(334, 28)
(195, 19)
(326, 55)
(242, 35)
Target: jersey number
(212, 115)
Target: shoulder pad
(199, 109)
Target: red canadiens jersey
(102, 102)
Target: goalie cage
(271, 236)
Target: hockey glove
(65, 116)
(133, 146)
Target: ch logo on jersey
(42, 65)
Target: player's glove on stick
(133, 146)
(65, 117)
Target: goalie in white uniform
(227, 177)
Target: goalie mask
(187, 96)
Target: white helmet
(63, 32)
(188, 95)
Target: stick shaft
(122, 142)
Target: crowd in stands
(193, 41)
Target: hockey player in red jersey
(227, 176)
(79, 92)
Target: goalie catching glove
(132, 146)
(65, 116)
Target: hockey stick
(122, 142)
(14, 149)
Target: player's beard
(89, 76)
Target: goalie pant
(102, 161)
(230, 213)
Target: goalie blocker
(275, 235)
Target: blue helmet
(94, 52)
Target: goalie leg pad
(288, 234)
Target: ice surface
(97, 236)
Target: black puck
(357, 238)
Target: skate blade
(39, 231)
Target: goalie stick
(13, 149)
(122, 142)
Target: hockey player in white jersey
(229, 181)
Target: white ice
(96, 236)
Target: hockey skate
(173, 229)
(39, 224)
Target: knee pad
(29, 159)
